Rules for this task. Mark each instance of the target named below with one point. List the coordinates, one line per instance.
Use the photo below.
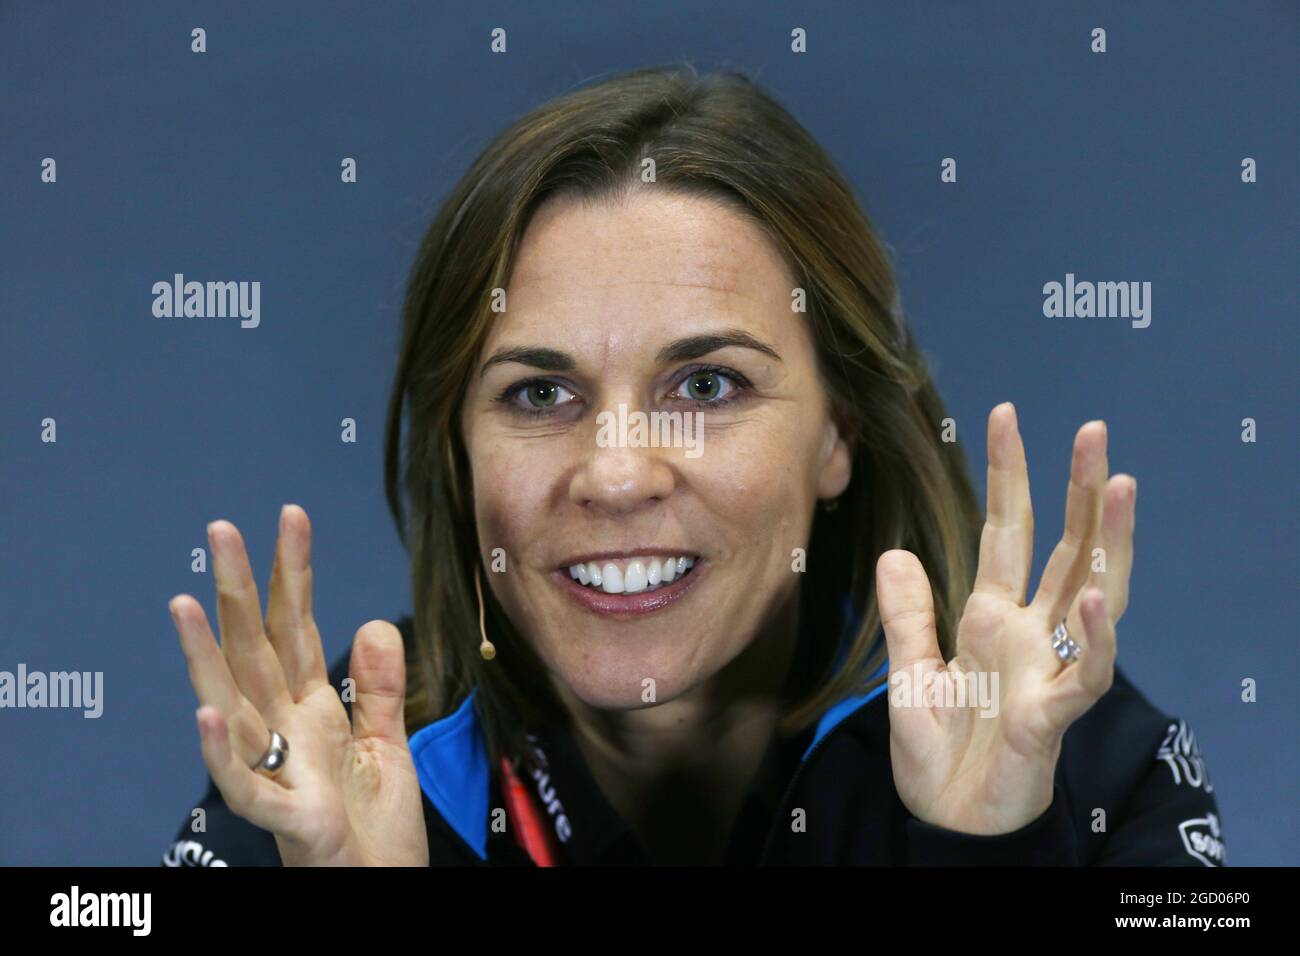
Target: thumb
(378, 667)
(906, 609)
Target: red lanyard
(530, 829)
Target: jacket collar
(451, 763)
(849, 705)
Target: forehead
(647, 256)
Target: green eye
(710, 386)
(537, 398)
(541, 394)
(703, 386)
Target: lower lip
(623, 605)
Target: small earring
(829, 506)
(486, 649)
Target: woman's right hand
(347, 794)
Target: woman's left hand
(954, 767)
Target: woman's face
(664, 303)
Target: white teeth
(635, 579)
(632, 576)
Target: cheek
(512, 485)
(756, 478)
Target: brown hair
(717, 135)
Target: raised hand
(347, 794)
(952, 767)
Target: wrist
(1047, 840)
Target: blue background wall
(1119, 166)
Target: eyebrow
(693, 347)
(698, 346)
(549, 360)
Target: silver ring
(1064, 646)
(273, 760)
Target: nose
(622, 480)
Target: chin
(620, 679)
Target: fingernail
(1132, 489)
(284, 510)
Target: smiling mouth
(629, 585)
(631, 575)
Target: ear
(835, 463)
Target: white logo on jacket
(190, 853)
(546, 793)
(1205, 846)
(1181, 752)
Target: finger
(1067, 568)
(290, 627)
(209, 673)
(1078, 686)
(1007, 542)
(252, 796)
(906, 610)
(1117, 523)
(252, 660)
(378, 666)
(212, 681)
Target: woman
(678, 500)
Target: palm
(991, 774)
(352, 792)
(348, 794)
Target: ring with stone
(1065, 647)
